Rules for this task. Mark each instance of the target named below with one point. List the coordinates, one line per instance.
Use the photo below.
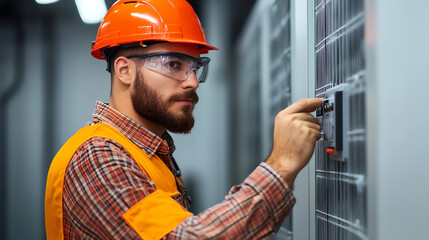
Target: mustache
(192, 94)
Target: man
(116, 179)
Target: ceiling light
(91, 11)
(46, 1)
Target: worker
(116, 178)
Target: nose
(191, 82)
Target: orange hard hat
(137, 21)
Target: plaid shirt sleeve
(253, 210)
(102, 182)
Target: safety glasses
(175, 65)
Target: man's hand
(295, 134)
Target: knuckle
(318, 128)
(291, 118)
(307, 132)
(299, 124)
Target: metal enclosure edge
(300, 82)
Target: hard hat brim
(204, 47)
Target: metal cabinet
(368, 60)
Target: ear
(125, 70)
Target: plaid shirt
(102, 182)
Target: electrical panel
(320, 48)
(341, 176)
(264, 76)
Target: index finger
(304, 105)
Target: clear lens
(203, 69)
(174, 67)
(178, 66)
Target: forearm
(252, 210)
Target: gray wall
(24, 129)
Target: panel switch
(333, 117)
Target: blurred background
(272, 53)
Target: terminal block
(333, 118)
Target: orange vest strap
(154, 167)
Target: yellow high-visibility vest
(152, 217)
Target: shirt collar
(143, 138)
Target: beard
(148, 103)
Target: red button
(330, 151)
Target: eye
(174, 64)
